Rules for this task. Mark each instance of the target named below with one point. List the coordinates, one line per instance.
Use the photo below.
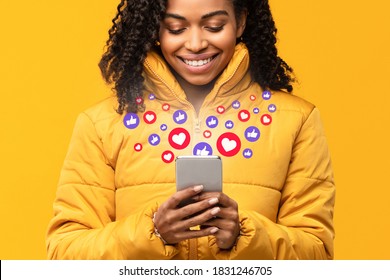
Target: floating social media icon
(166, 107)
(266, 95)
(212, 122)
(180, 117)
(179, 138)
(154, 139)
(266, 119)
(247, 153)
(252, 97)
(163, 127)
(131, 120)
(167, 156)
(272, 108)
(139, 100)
(228, 144)
(207, 134)
(229, 124)
(244, 115)
(150, 117)
(202, 149)
(236, 104)
(152, 96)
(138, 147)
(256, 110)
(252, 134)
(220, 109)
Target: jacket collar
(160, 80)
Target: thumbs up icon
(252, 134)
(131, 121)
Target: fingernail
(213, 201)
(198, 188)
(215, 211)
(214, 230)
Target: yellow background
(48, 74)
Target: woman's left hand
(227, 220)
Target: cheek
(225, 40)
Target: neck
(196, 94)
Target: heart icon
(228, 144)
(207, 134)
(266, 119)
(166, 107)
(179, 138)
(244, 115)
(138, 147)
(149, 118)
(220, 109)
(167, 157)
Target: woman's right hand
(174, 223)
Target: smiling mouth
(198, 63)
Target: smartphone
(199, 170)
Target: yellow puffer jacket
(120, 168)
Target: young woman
(195, 77)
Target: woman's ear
(241, 24)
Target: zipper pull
(197, 126)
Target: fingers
(188, 234)
(226, 220)
(179, 196)
(173, 223)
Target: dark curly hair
(135, 30)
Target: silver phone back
(199, 170)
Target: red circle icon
(220, 110)
(167, 156)
(179, 138)
(138, 147)
(166, 107)
(207, 134)
(150, 117)
(228, 144)
(139, 100)
(266, 119)
(244, 115)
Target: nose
(196, 41)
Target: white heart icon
(138, 147)
(165, 107)
(220, 110)
(228, 145)
(244, 115)
(168, 157)
(207, 134)
(179, 138)
(149, 117)
(266, 119)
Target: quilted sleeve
(304, 226)
(84, 224)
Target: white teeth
(197, 63)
